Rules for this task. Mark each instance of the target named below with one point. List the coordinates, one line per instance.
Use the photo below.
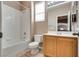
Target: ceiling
(20, 5)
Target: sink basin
(65, 34)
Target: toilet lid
(34, 44)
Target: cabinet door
(50, 46)
(66, 47)
(75, 47)
(60, 47)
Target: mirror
(62, 22)
(74, 18)
(62, 16)
(74, 15)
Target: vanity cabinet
(50, 46)
(60, 46)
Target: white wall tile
(11, 21)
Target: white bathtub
(12, 50)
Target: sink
(67, 34)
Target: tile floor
(26, 53)
(39, 55)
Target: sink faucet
(76, 33)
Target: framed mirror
(62, 23)
(62, 17)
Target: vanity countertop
(61, 35)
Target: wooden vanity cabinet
(66, 47)
(49, 46)
(60, 46)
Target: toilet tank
(38, 38)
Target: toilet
(34, 46)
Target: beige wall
(42, 27)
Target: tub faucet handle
(24, 33)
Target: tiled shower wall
(11, 25)
(0, 27)
(14, 23)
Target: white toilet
(34, 46)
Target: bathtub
(12, 50)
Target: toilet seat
(33, 44)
